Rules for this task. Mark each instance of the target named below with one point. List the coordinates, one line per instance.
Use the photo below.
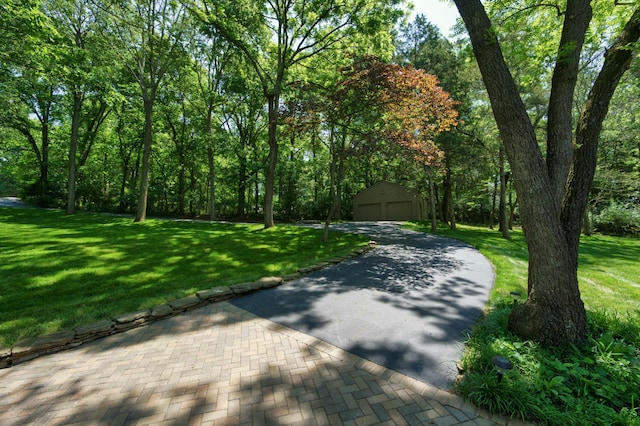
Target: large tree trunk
(553, 312)
(552, 194)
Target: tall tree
(212, 56)
(29, 79)
(84, 77)
(277, 35)
(422, 45)
(552, 192)
(148, 34)
(402, 105)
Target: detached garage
(388, 201)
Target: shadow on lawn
(88, 267)
(405, 305)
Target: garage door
(369, 212)
(399, 210)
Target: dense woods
(170, 108)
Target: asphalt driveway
(406, 305)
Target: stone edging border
(31, 348)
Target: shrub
(617, 219)
(595, 383)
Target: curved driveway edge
(406, 305)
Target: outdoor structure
(388, 201)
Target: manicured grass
(608, 273)
(59, 271)
(597, 382)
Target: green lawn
(609, 267)
(59, 271)
(595, 383)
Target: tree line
(110, 105)
(167, 107)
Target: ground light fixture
(515, 295)
(502, 364)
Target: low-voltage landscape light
(502, 364)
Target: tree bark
(504, 225)
(141, 214)
(332, 185)
(73, 147)
(494, 196)
(211, 152)
(553, 312)
(273, 101)
(617, 61)
(565, 76)
(447, 187)
(432, 202)
(552, 195)
(450, 214)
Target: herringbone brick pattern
(219, 365)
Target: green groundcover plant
(59, 271)
(595, 383)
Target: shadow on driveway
(407, 305)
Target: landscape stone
(41, 343)
(133, 324)
(4, 352)
(313, 268)
(185, 303)
(292, 277)
(99, 327)
(161, 311)
(215, 293)
(268, 282)
(245, 288)
(133, 316)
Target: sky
(442, 13)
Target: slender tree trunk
(450, 215)
(432, 202)
(44, 164)
(504, 226)
(340, 176)
(141, 214)
(273, 101)
(586, 223)
(242, 185)
(182, 184)
(211, 152)
(73, 147)
(493, 202)
(512, 206)
(332, 185)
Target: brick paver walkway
(220, 365)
